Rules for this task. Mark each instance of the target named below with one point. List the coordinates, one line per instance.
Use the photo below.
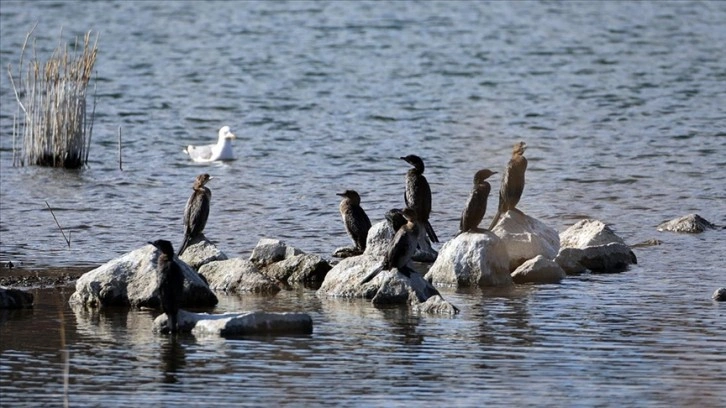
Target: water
(621, 104)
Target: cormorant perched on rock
(476, 205)
(171, 288)
(418, 193)
(356, 221)
(395, 218)
(196, 211)
(209, 153)
(401, 249)
(512, 183)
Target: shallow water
(621, 105)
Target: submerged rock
(200, 252)
(299, 268)
(691, 223)
(719, 295)
(133, 280)
(237, 275)
(538, 270)
(15, 299)
(472, 259)
(590, 244)
(268, 251)
(526, 237)
(238, 324)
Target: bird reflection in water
(172, 359)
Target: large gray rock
(379, 238)
(538, 270)
(388, 287)
(15, 299)
(691, 223)
(590, 244)
(237, 275)
(200, 252)
(299, 268)
(238, 324)
(472, 259)
(133, 280)
(526, 237)
(268, 251)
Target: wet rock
(268, 251)
(719, 295)
(133, 280)
(238, 324)
(15, 299)
(436, 305)
(299, 268)
(346, 252)
(472, 259)
(538, 270)
(647, 243)
(590, 244)
(691, 223)
(200, 252)
(237, 275)
(379, 238)
(526, 237)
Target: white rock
(298, 268)
(238, 324)
(268, 251)
(237, 275)
(200, 252)
(379, 238)
(590, 244)
(133, 279)
(691, 223)
(538, 270)
(472, 259)
(526, 237)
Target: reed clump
(57, 127)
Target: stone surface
(237, 275)
(200, 252)
(15, 299)
(299, 268)
(538, 270)
(590, 244)
(379, 238)
(719, 295)
(691, 223)
(436, 305)
(268, 251)
(346, 252)
(472, 259)
(526, 237)
(238, 324)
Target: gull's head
(225, 133)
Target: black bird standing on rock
(476, 205)
(401, 249)
(356, 221)
(196, 211)
(171, 288)
(512, 183)
(418, 193)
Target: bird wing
(198, 213)
(358, 225)
(200, 153)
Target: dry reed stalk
(68, 240)
(56, 130)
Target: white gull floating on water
(209, 153)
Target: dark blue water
(621, 105)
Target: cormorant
(395, 218)
(196, 211)
(512, 183)
(209, 153)
(356, 221)
(402, 247)
(418, 193)
(171, 288)
(476, 205)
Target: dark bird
(356, 221)
(395, 219)
(171, 288)
(196, 211)
(512, 183)
(401, 249)
(476, 205)
(418, 193)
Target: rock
(590, 244)
(379, 238)
(133, 280)
(538, 270)
(237, 275)
(691, 223)
(15, 299)
(436, 305)
(647, 243)
(472, 259)
(299, 268)
(346, 252)
(200, 252)
(388, 287)
(269, 251)
(526, 237)
(238, 324)
(719, 295)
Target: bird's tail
(184, 244)
(372, 275)
(430, 232)
(495, 220)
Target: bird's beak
(231, 135)
(495, 172)
(340, 194)
(403, 158)
(210, 178)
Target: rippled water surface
(622, 105)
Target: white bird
(209, 153)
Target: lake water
(622, 105)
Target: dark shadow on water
(173, 359)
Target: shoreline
(29, 278)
